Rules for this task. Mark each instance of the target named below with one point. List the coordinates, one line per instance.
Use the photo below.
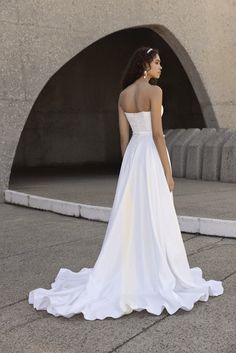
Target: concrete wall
(39, 37)
(74, 119)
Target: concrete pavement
(35, 244)
(204, 207)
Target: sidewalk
(202, 206)
(35, 245)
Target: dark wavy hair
(136, 66)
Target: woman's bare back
(136, 98)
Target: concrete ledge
(228, 161)
(207, 226)
(212, 154)
(189, 224)
(96, 213)
(221, 227)
(179, 152)
(15, 197)
(172, 137)
(195, 153)
(42, 203)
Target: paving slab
(198, 198)
(209, 327)
(37, 243)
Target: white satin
(142, 263)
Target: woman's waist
(143, 132)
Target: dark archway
(74, 120)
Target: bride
(143, 262)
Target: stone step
(208, 153)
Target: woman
(142, 263)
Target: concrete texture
(202, 207)
(212, 154)
(35, 245)
(172, 137)
(228, 160)
(198, 198)
(200, 225)
(208, 153)
(195, 153)
(179, 152)
(37, 39)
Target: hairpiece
(149, 50)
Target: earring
(145, 74)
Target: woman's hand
(170, 181)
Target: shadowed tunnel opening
(74, 121)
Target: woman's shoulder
(125, 93)
(156, 91)
(156, 88)
(151, 89)
(127, 89)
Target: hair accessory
(149, 50)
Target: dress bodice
(140, 122)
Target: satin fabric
(142, 263)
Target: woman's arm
(123, 128)
(157, 130)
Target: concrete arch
(192, 72)
(104, 112)
(39, 45)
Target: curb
(202, 226)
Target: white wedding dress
(142, 263)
